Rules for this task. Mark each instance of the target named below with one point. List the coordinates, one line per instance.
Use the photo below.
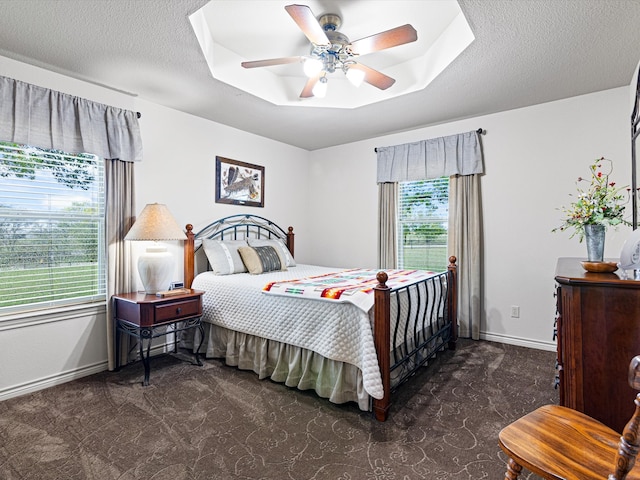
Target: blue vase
(594, 235)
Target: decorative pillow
(280, 247)
(261, 259)
(223, 256)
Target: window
(52, 214)
(423, 216)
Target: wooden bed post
(452, 293)
(188, 257)
(382, 339)
(290, 241)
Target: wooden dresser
(598, 332)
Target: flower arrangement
(600, 203)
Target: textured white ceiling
(525, 52)
(230, 33)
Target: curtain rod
(138, 114)
(479, 131)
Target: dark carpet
(217, 422)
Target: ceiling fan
(332, 51)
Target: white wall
(532, 158)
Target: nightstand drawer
(148, 310)
(176, 310)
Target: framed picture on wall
(239, 183)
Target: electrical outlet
(515, 311)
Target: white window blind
(52, 214)
(423, 216)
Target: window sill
(56, 314)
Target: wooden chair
(556, 442)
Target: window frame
(429, 223)
(22, 163)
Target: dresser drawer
(177, 310)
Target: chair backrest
(629, 442)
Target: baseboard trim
(46, 382)
(64, 377)
(521, 342)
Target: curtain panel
(433, 158)
(120, 216)
(34, 115)
(465, 242)
(387, 218)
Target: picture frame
(239, 183)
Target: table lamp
(155, 266)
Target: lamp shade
(320, 88)
(312, 67)
(155, 222)
(355, 76)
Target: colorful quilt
(354, 286)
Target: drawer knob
(179, 310)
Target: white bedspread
(338, 331)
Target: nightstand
(146, 316)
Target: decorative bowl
(599, 267)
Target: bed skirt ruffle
(296, 367)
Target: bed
(357, 345)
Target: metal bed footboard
(420, 326)
(424, 319)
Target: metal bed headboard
(233, 227)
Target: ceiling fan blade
(374, 77)
(307, 91)
(307, 22)
(380, 41)
(271, 62)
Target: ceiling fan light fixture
(355, 76)
(332, 51)
(312, 66)
(320, 88)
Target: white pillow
(280, 247)
(223, 256)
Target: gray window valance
(37, 116)
(444, 156)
